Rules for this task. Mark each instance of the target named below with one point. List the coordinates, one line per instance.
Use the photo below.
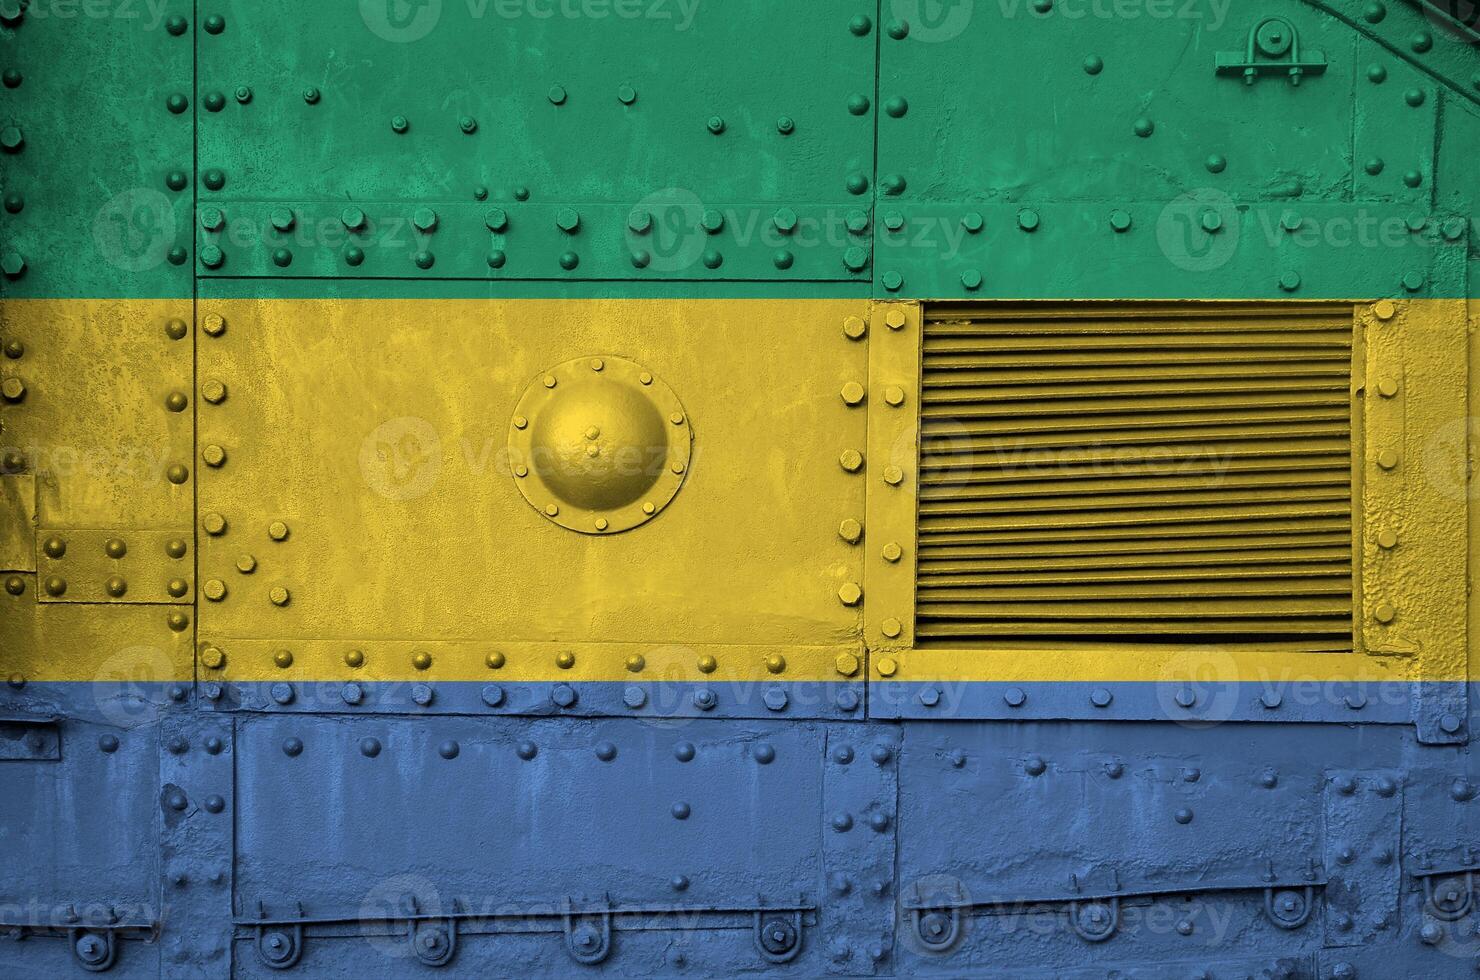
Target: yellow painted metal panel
(365, 492)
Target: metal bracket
(1095, 921)
(1273, 48)
(1444, 898)
(588, 935)
(778, 936)
(433, 941)
(1288, 908)
(279, 945)
(96, 949)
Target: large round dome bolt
(1431, 934)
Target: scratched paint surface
(672, 488)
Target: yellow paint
(752, 564)
(409, 660)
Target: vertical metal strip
(893, 482)
(1416, 488)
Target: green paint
(1025, 149)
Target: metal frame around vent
(1409, 656)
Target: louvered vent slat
(1157, 473)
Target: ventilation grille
(1136, 473)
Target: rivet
(1387, 459)
(1384, 612)
(850, 593)
(424, 259)
(492, 695)
(891, 628)
(54, 547)
(214, 179)
(277, 530)
(893, 281)
(527, 750)
(421, 660)
(785, 125)
(1387, 387)
(1216, 163)
(894, 395)
(1183, 816)
(681, 811)
(213, 455)
(897, 106)
(215, 590)
(716, 125)
(775, 663)
(176, 103)
(648, 508)
(1413, 281)
(56, 586)
(1101, 697)
(626, 94)
(569, 261)
(1094, 64)
(860, 25)
(857, 183)
(1034, 765)
(400, 124)
(278, 596)
(213, 523)
(1143, 127)
(1384, 309)
(1412, 178)
(283, 658)
(1027, 219)
(707, 664)
(1120, 220)
(858, 104)
(1422, 41)
(846, 664)
(1290, 281)
(15, 585)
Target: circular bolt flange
(604, 445)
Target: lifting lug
(588, 935)
(279, 946)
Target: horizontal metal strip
(1195, 564)
(1084, 536)
(1089, 503)
(1058, 314)
(1080, 554)
(1332, 633)
(1121, 454)
(1170, 567)
(1153, 417)
(1193, 467)
(1146, 447)
(1044, 483)
(1035, 374)
(1333, 339)
(1149, 522)
(942, 411)
(1149, 364)
(1144, 609)
(1294, 588)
